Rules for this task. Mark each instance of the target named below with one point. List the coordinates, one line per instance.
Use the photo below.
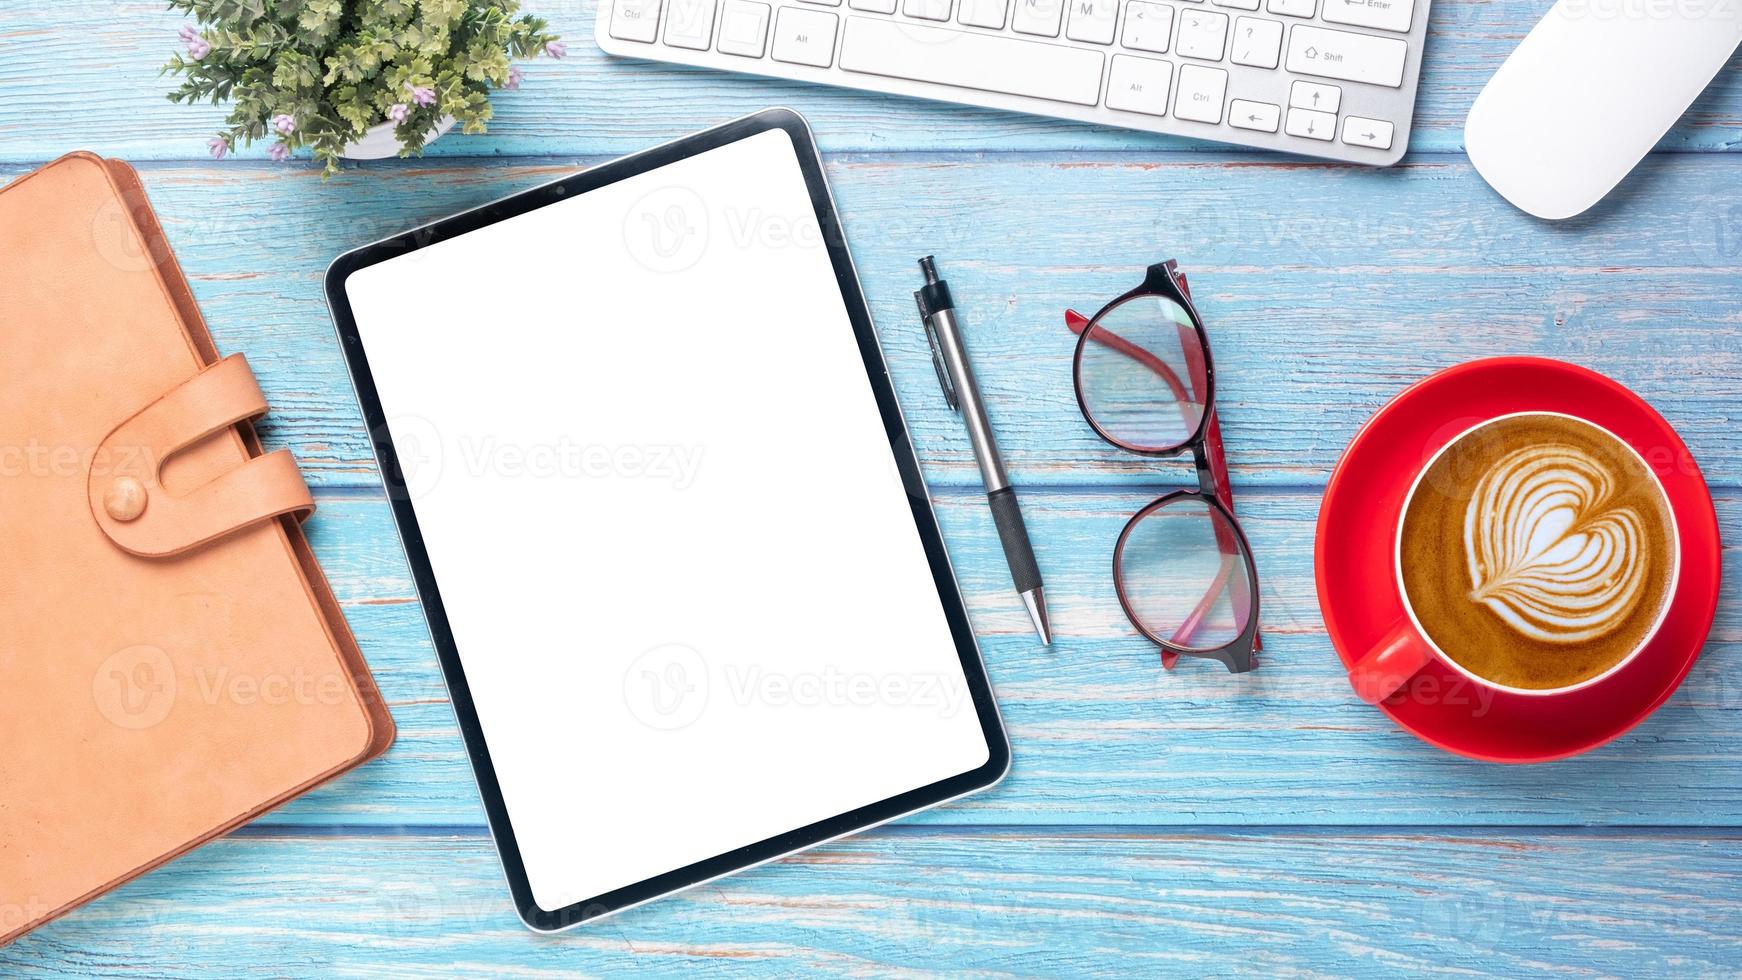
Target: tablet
(669, 531)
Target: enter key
(1384, 15)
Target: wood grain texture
(99, 59)
(986, 903)
(1325, 295)
(1101, 734)
(1189, 823)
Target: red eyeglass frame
(1205, 442)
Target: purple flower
(398, 111)
(198, 49)
(187, 33)
(514, 77)
(422, 96)
(279, 153)
(217, 147)
(557, 50)
(284, 124)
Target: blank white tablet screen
(675, 553)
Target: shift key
(1345, 56)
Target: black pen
(950, 357)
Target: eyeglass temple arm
(1211, 460)
(1212, 464)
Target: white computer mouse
(1590, 92)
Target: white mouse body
(1590, 92)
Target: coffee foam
(1547, 550)
(1537, 551)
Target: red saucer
(1358, 591)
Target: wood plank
(1325, 292)
(1101, 734)
(987, 902)
(103, 57)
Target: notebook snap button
(125, 500)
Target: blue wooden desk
(1189, 823)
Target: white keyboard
(1325, 78)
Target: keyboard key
(1292, 8)
(1202, 34)
(1385, 15)
(1148, 26)
(743, 26)
(1375, 133)
(825, 3)
(1237, 4)
(1315, 95)
(1093, 21)
(983, 13)
(1261, 116)
(1200, 92)
(1312, 125)
(635, 20)
(1257, 42)
(1139, 84)
(987, 62)
(1037, 17)
(927, 9)
(690, 24)
(805, 37)
(1350, 57)
(875, 6)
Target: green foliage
(337, 67)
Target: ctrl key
(635, 20)
(743, 28)
(1200, 95)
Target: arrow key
(1261, 116)
(1312, 125)
(1375, 133)
(1315, 96)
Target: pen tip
(1035, 600)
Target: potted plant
(352, 79)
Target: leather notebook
(172, 661)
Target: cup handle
(1390, 663)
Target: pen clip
(937, 361)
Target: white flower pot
(380, 142)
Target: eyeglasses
(1145, 382)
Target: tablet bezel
(907, 462)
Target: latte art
(1549, 551)
(1537, 551)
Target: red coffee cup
(1406, 648)
(1361, 600)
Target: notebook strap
(127, 495)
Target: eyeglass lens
(1184, 575)
(1142, 374)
